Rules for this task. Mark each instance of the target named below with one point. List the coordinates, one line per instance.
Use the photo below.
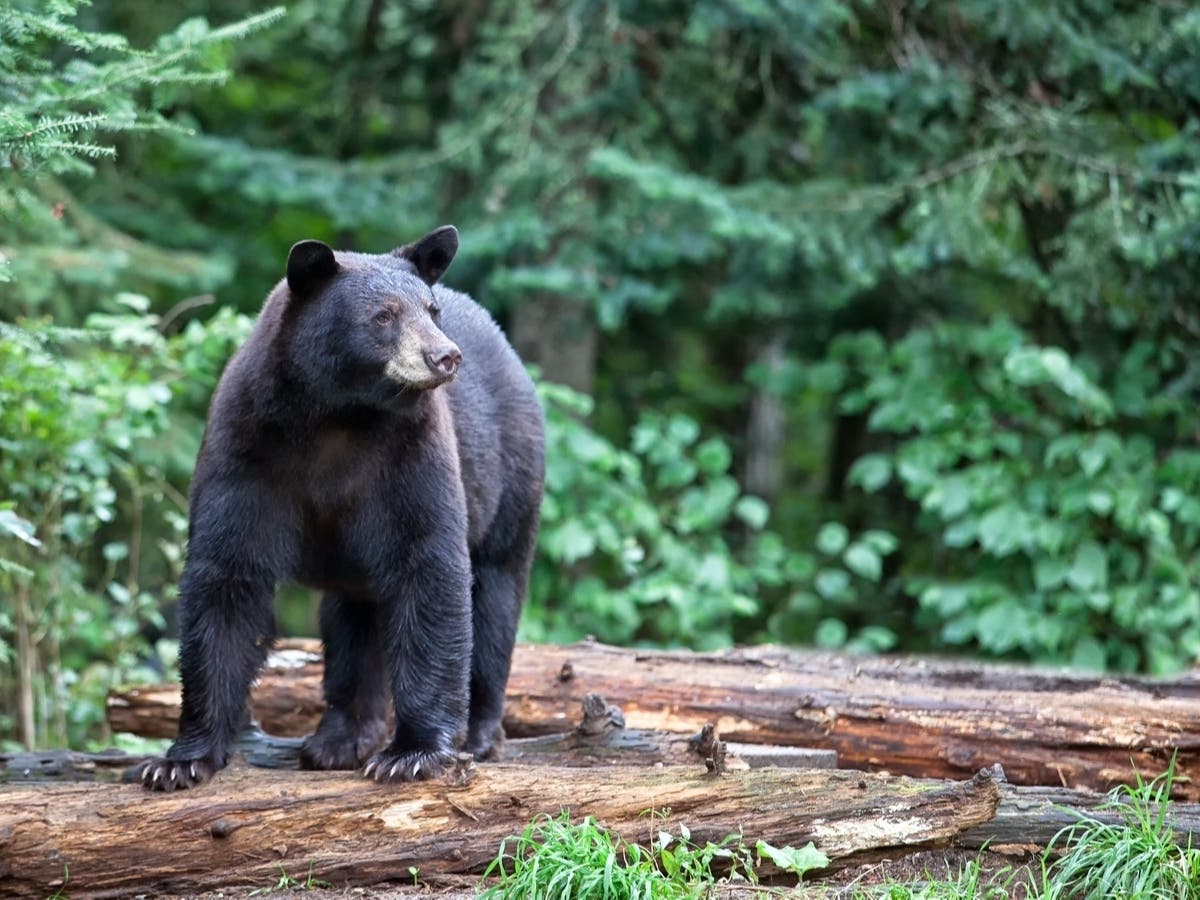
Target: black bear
(376, 437)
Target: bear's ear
(310, 264)
(432, 254)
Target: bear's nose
(445, 362)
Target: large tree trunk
(766, 423)
(559, 335)
(923, 717)
(119, 840)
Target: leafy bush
(1054, 511)
(657, 543)
(96, 432)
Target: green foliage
(657, 543)
(635, 543)
(53, 111)
(968, 226)
(971, 882)
(94, 440)
(67, 94)
(553, 858)
(885, 313)
(1131, 852)
(91, 438)
(1136, 856)
(1128, 850)
(1046, 522)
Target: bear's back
(497, 417)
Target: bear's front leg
(427, 619)
(226, 625)
(236, 550)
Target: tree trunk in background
(26, 668)
(766, 425)
(557, 334)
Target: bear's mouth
(414, 378)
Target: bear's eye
(384, 317)
(434, 310)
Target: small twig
(462, 809)
(181, 307)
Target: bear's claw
(175, 774)
(411, 765)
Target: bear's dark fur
(346, 450)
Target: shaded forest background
(860, 324)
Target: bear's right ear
(431, 255)
(310, 264)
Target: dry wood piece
(924, 717)
(118, 840)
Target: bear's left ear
(431, 255)
(310, 264)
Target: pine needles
(51, 113)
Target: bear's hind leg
(496, 605)
(500, 578)
(355, 685)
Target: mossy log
(922, 717)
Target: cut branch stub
(599, 717)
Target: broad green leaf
(832, 538)
(831, 634)
(863, 560)
(752, 511)
(1089, 569)
(797, 861)
(832, 583)
(870, 472)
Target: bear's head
(366, 328)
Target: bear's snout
(444, 361)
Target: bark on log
(616, 746)
(119, 840)
(1029, 818)
(923, 717)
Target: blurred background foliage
(860, 324)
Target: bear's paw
(336, 748)
(175, 774)
(409, 765)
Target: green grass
(287, 883)
(1136, 857)
(554, 859)
(970, 883)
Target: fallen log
(117, 840)
(599, 739)
(1028, 819)
(922, 717)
